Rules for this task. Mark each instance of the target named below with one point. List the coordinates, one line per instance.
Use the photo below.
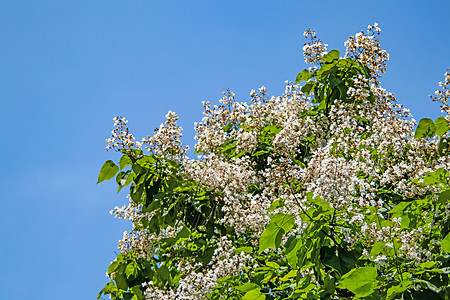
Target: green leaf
(361, 281)
(308, 87)
(276, 204)
(339, 259)
(330, 56)
(112, 267)
(207, 255)
(155, 204)
(377, 248)
(109, 169)
(121, 282)
(342, 91)
(138, 292)
(183, 234)
(109, 289)
(436, 178)
(254, 294)
(124, 179)
(261, 152)
(334, 82)
(444, 197)
(444, 144)
(396, 290)
(427, 264)
(227, 127)
(441, 125)
(445, 243)
(244, 249)
(292, 251)
(272, 264)
(121, 176)
(271, 129)
(147, 161)
(399, 208)
(288, 276)
(130, 270)
(125, 161)
(286, 222)
(329, 258)
(127, 295)
(324, 206)
(270, 238)
(279, 225)
(164, 273)
(426, 129)
(303, 76)
(348, 259)
(326, 70)
(248, 286)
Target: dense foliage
(326, 192)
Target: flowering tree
(325, 192)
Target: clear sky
(68, 67)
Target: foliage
(325, 192)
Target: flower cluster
(166, 139)
(365, 47)
(121, 137)
(313, 50)
(444, 94)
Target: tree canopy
(325, 192)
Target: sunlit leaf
(445, 243)
(130, 270)
(279, 225)
(425, 129)
(396, 290)
(330, 56)
(108, 170)
(304, 75)
(247, 287)
(361, 281)
(125, 161)
(441, 125)
(254, 294)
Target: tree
(326, 192)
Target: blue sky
(68, 67)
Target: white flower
(382, 260)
